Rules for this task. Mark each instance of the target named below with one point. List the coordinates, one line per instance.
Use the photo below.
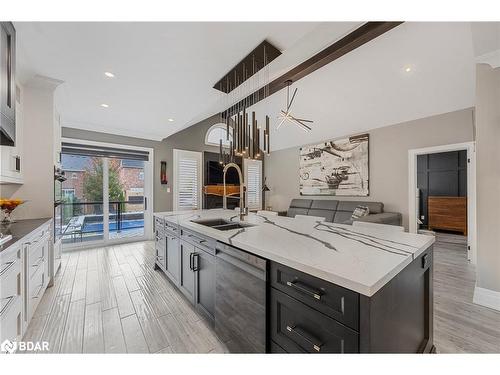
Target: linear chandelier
(245, 136)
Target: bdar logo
(8, 346)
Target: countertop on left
(21, 229)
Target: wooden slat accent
(448, 213)
(219, 190)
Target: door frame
(470, 147)
(148, 193)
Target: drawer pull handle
(305, 289)
(197, 257)
(38, 262)
(7, 305)
(305, 336)
(8, 265)
(40, 287)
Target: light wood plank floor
(110, 300)
(460, 326)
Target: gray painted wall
(192, 138)
(388, 160)
(488, 176)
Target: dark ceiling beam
(350, 42)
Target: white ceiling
(369, 87)
(163, 70)
(167, 70)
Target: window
(216, 133)
(68, 195)
(141, 176)
(187, 180)
(253, 178)
(74, 176)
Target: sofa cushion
(292, 211)
(349, 206)
(321, 204)
(341, 217)
(323, 208)
(327, 214)
(299, 207)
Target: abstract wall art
(337, 167)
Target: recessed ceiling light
(170, 120)
(408, 69)
(104, 105)
(109, 74)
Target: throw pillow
(360, 211)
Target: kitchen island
(326, 287)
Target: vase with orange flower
(7, 206)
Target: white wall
(488, 177)
(388, 160)
(38, 154)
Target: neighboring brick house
(130, 172)
(74, 167)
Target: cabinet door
(173, 259)
(186, 280)
(204, 266)
(161, 248)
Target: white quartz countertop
(360, 259)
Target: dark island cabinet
(187, 275)
(204, 266)
(172, 268)
(298, 328)
(310, 315)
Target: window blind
(102, 151)
(187, 183)
(254, 184)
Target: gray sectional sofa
(341, 211)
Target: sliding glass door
(105, 195)
(126, 198)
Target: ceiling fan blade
(301, 124)
(291, 101)
(281, 122)
(304, 120)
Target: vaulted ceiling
(167, 70)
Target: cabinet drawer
(200, 241)
(36, 287)
(171, 228)
(161, 249)
(36, 257)
(333, 300)
(10, 318)
(159, 223)
(10, 272)
(298, 328)
(10, 278)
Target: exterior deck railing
(79, 218)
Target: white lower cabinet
(24, 276)
(11, 324)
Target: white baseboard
(486, 297)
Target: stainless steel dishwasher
(240, 299)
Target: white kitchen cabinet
(24, 277)
(11, 157)
(11, 282)
(36, 253)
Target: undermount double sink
(222, 224)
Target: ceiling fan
(286, 116)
